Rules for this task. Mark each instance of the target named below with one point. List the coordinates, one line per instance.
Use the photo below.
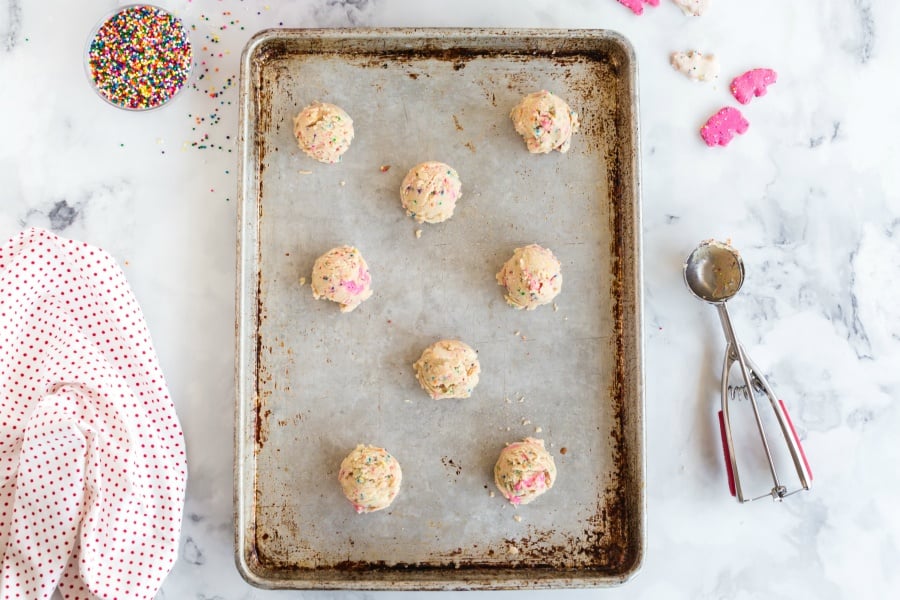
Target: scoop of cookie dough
(524, 471)
(342, 275)
(429, 192)
(323, 131)
(545, 121)
(448, 369)
(532, 277)
(370, 478)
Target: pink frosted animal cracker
(721, 127)
(637, 6)
(752, 83)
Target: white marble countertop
(811, 195)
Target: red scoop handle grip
(731, 487)
(790, 423)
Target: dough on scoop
(342, 275)
(524, 471)
(545, 121)
(370, 478)
(532, 277)
(448, 369)
(323, 131)
(429, 192)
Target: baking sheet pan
(312, 382)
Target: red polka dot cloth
(92, 462)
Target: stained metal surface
(312, 382)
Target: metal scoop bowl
(714, 273)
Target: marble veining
(819, 140)
(353, 11)
(810, 195)
(12, 25)
(192, 553)
(864, 47)
(62, 215)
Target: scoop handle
(727, 452)
(787, 417)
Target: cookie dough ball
(448, 369)
(429, 192)
(323, 131)
(342, 275)
(545, 121)
(370, 478)
(524, 471)
(531, 277)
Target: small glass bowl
(118, 82)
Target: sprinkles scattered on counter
(212, 82)
(140, 57)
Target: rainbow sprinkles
(140, 57)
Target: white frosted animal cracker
(696, 65)
(693, 8)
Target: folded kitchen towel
(92, 463)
